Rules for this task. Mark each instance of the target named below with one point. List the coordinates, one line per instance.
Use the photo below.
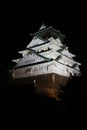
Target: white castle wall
(30, 59)
(35, 41)
(45, 68)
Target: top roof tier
(47, 32)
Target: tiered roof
(47, 45)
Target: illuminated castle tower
(46, 62)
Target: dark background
(18, 20)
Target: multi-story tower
(46, 62)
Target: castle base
(49, 85)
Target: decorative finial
(42, 26)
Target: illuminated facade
(46, 62)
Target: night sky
(19, 20)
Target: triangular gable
(31, 58)
(55, 41)
(35, 41)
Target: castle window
(35, 69)
(45, 49)
(27, 70)
(40, 67)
